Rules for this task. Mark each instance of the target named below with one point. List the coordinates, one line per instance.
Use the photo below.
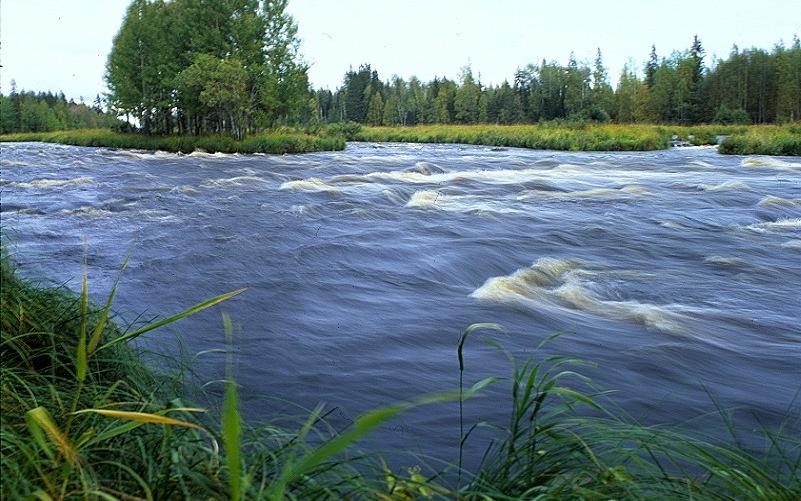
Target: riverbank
(782, 140)
(739, 140)
(272, 143)
(83, 417)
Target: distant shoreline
(777, 140)
(270, 143)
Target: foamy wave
(10, 163)
(725, 261)
(158, 214)
(385, 159)
(502, 176)
(780, 225)
(185, 188)
(558, 284)
(51, 183)
(310, 184)
(429, 199)
(86, 212)
(206, 154)
(794, 244)
(233, 181)
(673, 225)
(427, 173)
(773, 163)
(394, 197)
(425, 199)
(725, 186)
(426, 168)
(779, 201)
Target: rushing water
(674, 271)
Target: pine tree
(696, 91)
(375, 109)
(651, 66)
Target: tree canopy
(207, 66)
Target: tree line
(45, 111)
(197, 67)
(207, 66)
(748, 86)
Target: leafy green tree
(221, 89)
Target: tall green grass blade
(81, 360)
(470, 329)
(231, 420)
(459, 354)
(103, 320)
(172, 319)
(363, 425)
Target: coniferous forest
(748, 86)
(44, 111)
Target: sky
(63, 44)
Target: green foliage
(764, 140)
(583, 136)
(558, 136)
(347, 130)
(42, 112)
(198, 67)
(761, 86)
(725, 116)
(277, 143)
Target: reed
(84, 418)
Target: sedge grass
(558, 135)
(739, 139)
(766, 140)
(121, 432)
(274, 143)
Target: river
(676, 272)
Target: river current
(676, 272)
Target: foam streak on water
(667, 269)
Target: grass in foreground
(83, 418)
(276, 143)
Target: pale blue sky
(62, 45)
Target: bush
(348, 130)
